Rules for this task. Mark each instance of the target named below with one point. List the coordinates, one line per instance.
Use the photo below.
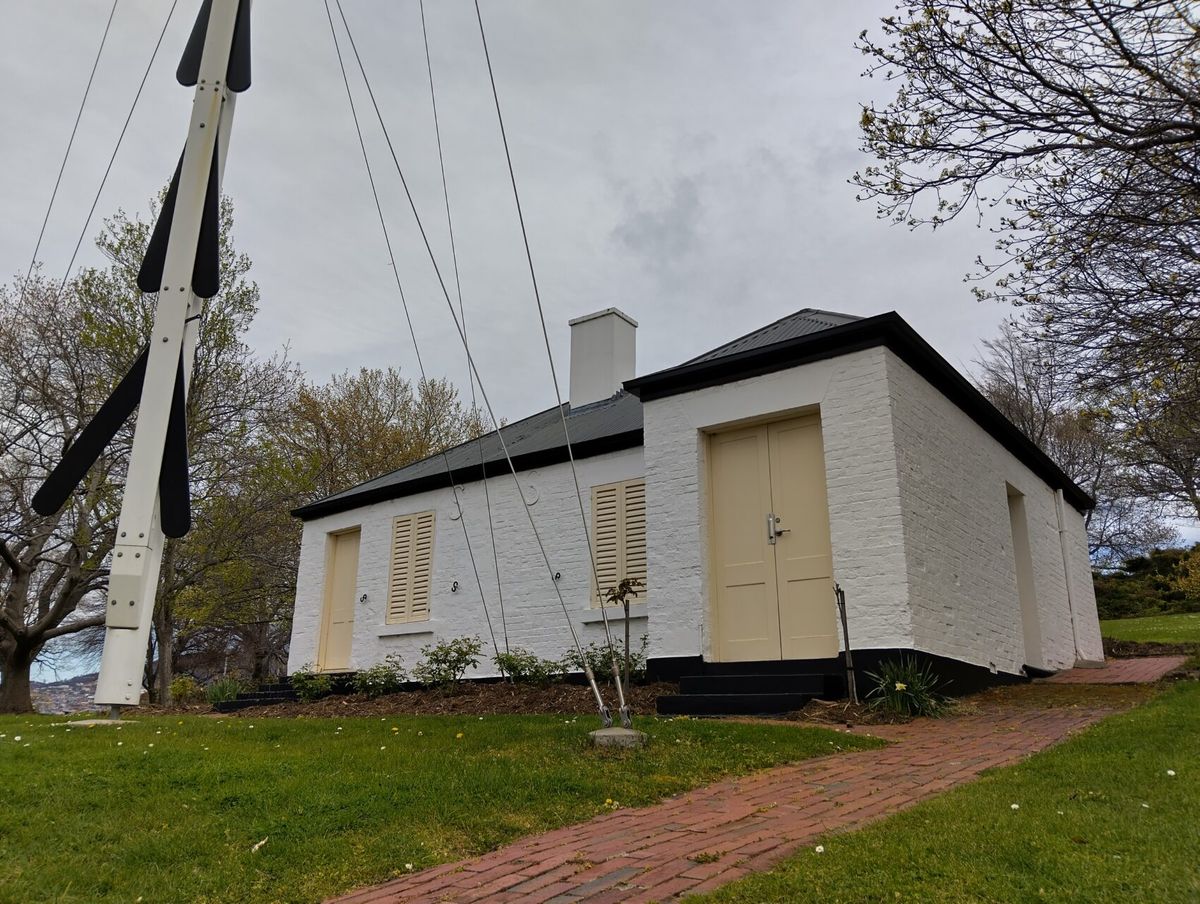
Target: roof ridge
(795, 315)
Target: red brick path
(1141, 670)
(716, 834)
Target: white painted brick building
(949, 532)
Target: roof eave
(889, 330)
(439, 480)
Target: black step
(261, 694)
(774, 667)
(731, 704)
(753, 684)
(229, 706)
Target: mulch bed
(844, 712)
(471, 698)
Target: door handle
(773, 528)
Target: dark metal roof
(802, 323)
(616, 423)
(536, 441)
(889, 330)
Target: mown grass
(1099, 819)
(172, 809)
(1184, 628)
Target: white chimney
(602, 355)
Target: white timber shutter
(619, 536)
(411, 576)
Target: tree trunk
(165, 641)
(15, 694)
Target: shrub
(223, 689)
(311, 685)
(385, 677)
(600, 659)
(907, 688)
(186, 689)
(447, 661)
(524, 667)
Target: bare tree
(1033, 385)
(61, 352)
(359, 426)
(1080, 122)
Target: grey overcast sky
(683, 160)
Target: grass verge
(200, 809)
(1183, 628)
(1099, 818)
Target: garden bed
(472, 698)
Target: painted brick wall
(532, 611)
(864, 496)
(954, 481)
(920, 529)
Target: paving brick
(643, 854)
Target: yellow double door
(771, 556)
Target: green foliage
(1099, 820)
(907, 688)
(599, 658)
(524, 667)
(1155, 584)
(224, 689)
(310, 684)
(186, 689)
(446, 662)
(383, 678)
(1182, 628)
(342, 803)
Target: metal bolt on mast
(182, 266)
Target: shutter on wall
(619, 535)
(411, 575)
(635, 533)
(606, 537)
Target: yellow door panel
(338, 621)
(746, 608)
(803, 556)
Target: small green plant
(907, 688)
(186, 689)
(622, 595)
(310, 684)
(599, 658)
(524, 667)
(446, 662)
(223, 689)
(386, 677)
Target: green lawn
(1157, 628)
(172, 809)
(1100, 819)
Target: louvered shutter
(411, 577)
(635, 534)
(619, 535)
(606, 538)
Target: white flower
(1016, 806)
(1169, 771)
(820, 849)
(408, 866)
(120, 743)
(1146, 806)
(18, 737)
(383, 748)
